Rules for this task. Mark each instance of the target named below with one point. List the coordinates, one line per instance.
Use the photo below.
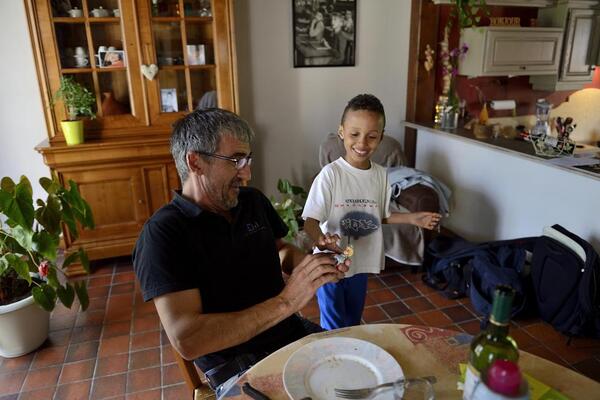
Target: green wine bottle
(493, 343)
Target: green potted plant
(31, 281)
(79, 102)
(289, 207)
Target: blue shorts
(342, 303)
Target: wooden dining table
(420, 351)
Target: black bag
(566, 287)
(459, 268)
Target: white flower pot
(23, 327)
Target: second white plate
(319, 367)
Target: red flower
(43, 268)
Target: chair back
(194, 378)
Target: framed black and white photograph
(324, 33)
(112, 59)
(168, 100)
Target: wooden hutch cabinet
(124, 168)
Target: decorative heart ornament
(149, 71)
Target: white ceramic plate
(316, 368)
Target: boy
(350, 199)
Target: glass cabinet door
(180, 42)
(98, 49)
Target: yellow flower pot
(73, 132)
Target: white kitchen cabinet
(501, 51)
(576, 65)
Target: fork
(367, 393)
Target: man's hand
(314, 271)
(427, 220)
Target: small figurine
(429, 62)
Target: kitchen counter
(519, 148)
(503, 190)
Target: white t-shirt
(352, 202)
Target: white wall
(292, 109)
(498, 195)
(22, 124)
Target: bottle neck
(497, 329)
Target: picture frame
(168, 100)
(112, 59)
(324, 33)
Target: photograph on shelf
(324, 33)
(112, 59)
(168, 100)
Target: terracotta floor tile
(90, 318)
(147, 323)
(544, 352)
(544, 332)
(97, 303)
(458, 313)
(164, 339)
(176, 392)
(411, 319)
(118, 314)
(49, 356)
(423, 288)
(59, 338)
(374, 283)
(39, 394)
(82, 351)
(109, 386)
(383, 296)
(406, 291)
(144, 359)
(11, 383)
(154, 394)
(103, 270)
(524, 340)
(171, 375)
(113, 345)
(571, 354)
(86, 333)
(418, 304)
(78, 371)
(396, 309)
(440, 301)
(393, 280)
(116, 329)
(124, 277)
(166, 352)
(142, 308)
(471, 327)
(112, 365)
(10, 365)
(41, 378)
(122, 288)
(435, 318)
(100, 281)
(98, 291)
(143, 379)
(77, 390)
(61, 322)
(373, 314)
(589, 368)
(145, 340)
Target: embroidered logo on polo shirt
(253, 227)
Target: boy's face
(361, 132)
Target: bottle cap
(503, 377)
(503, 297)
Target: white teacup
(75, 12)
(111, 48)
(99, 12)
(116, 12)
(80, 51)
(81, 61)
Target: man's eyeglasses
(238, 162)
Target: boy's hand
(427, 220)
(329, 242)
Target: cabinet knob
(140, 201)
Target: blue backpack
(461, 268)
(565, 273)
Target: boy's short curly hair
(364, 102)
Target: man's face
(221, 177)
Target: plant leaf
(51, 186)
(46, 244)
(20, 266)
(84, 260)
(18, 204)
(45, 296)
(82, 294)
(52, 278)
(71, 258)
(7, 185)
(23, 237)
(3, 265)
(66, 295)
(48, 215)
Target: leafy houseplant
(79, 102)
(29, 240)
(465, 12)
(290, 206)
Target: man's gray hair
(201, 131)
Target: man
(211, 260)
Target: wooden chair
(194, 378)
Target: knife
(251, 391)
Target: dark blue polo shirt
(235, 265)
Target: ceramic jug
(75, 12)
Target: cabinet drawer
(511, 51)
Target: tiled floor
(116, 349)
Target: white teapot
(75, 12)
(99, 12)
